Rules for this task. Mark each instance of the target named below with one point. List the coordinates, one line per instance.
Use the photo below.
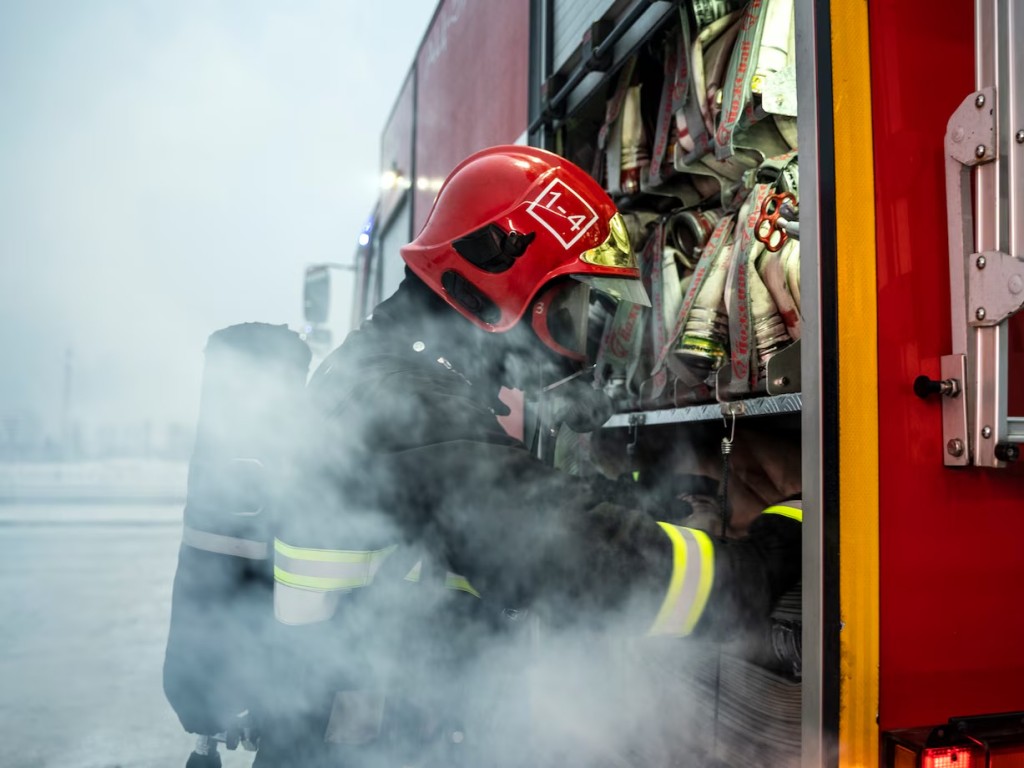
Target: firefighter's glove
(776, 539)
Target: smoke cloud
(537, 663)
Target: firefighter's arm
(524, 534)
(720, 586)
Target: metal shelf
(592, 67)
(769, 405)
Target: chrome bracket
(955, 435)
(995, 287)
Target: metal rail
(598, 58)
(985, 206)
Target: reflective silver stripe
(308, 583)
(451, 580)
(357, 574)
(326, 569)
(296, 605)
(692, 576)
(224, 545)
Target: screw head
(979, 151)
(955, 447)
(418, 346)
(986, 432)
(980, 313)
(1019, 136)
(981, 262)
(979, 100)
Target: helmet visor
(565, 321)
(619, 288)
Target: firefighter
(418, 529)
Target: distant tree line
(25, 437)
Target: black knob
(1007, 452)
(923, 387)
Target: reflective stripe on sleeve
(693, 572)
(460, 583)
(451, 580)
(791, 509)
(326, 569)
(224, 545)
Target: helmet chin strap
(587, 369)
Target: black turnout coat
(402, 446)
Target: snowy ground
(85, 596)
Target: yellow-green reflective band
(451, 580)
(326, 569)
(320, 583)
(693, 572)
(455, 581)
(791, 509)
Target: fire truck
(863, 165)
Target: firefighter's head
(519, 236)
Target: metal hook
(728, 441)
(723, 496)
(634, 434)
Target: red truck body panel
(951, 541)
(396, 146)
(472, 88)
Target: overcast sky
(167, 168)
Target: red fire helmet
(507, 222)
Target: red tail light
(952, 757)
(980, 741)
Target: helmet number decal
(563, 212)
